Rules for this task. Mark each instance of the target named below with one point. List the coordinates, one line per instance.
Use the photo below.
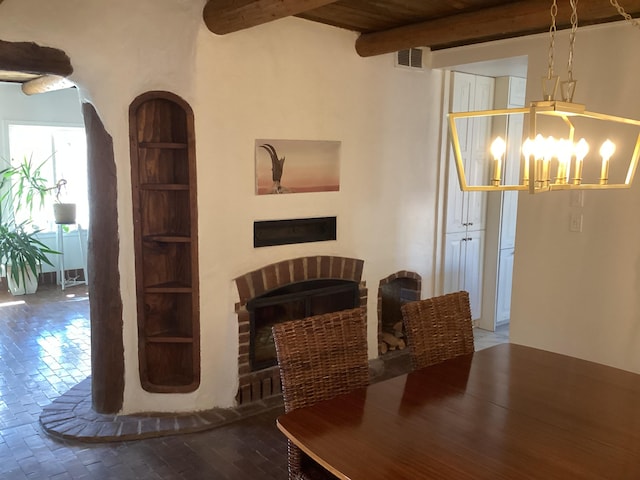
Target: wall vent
(409, 58)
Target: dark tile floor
(45, 351)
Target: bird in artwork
(277, 165)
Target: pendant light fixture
(565, 146)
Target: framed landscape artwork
(297, 166)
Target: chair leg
(294, 459)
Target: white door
(478, 164)
(505, 276)
(473, 262)
(457, 200)
(464, 254)
(454, 262)
(465, 211)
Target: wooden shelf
(167, 238)
(165, 186)
(169, 287)
(169, 339)
(166, 145)
(163, 181)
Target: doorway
(479, 258)
(47, 132)
(20, 62)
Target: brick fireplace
(256, 384)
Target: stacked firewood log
(389, 341)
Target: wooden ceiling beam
(32, 58)
(227, 16)
(46, 83)
(509, 20)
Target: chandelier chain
(572, 37)
(552, 37)
(624, 14)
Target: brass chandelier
(553, 156)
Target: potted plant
(63, 213)
(21, 253)
(29, 187)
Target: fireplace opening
(393, 292)
(293, 302)
(306, 277)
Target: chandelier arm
(624, 14)
(634, 163)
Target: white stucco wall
(290, 79)
(577, 293)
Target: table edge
(313, 456)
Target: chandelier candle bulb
(581, 150)
(564, 152)
(498, 147)
(527, 153)
(607, 150)
(549, 153)
(538, 153)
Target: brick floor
(45, 352)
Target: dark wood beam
(32, 58)
(505, 21)
(227, 16)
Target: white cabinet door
(478, 165)
(457, 201)
(454, 262)
(467, 209)
(462, 94)
(505, 276)
(473, 263)
(464, 255)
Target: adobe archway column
(107, 350)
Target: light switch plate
(575, 223)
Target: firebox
(293, 302)
(305, 277)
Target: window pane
(64, 151)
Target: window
(65, 151)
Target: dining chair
(319, 357)
(438, 328)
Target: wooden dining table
(506, 412)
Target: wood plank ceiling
(390, 25)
